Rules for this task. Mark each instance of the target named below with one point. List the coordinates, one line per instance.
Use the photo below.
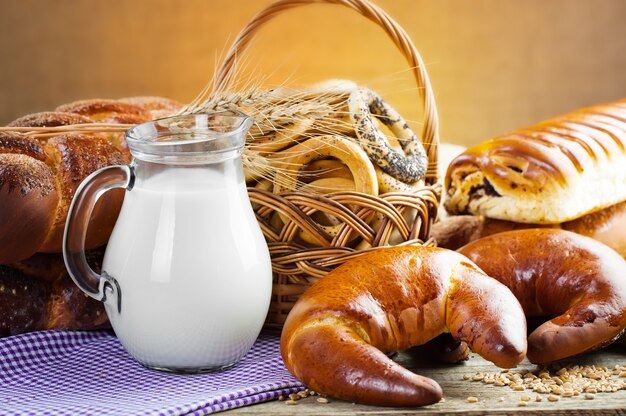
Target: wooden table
(493, 400)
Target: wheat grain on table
(492, 399)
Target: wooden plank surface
(492, 400)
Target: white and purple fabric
(63, 373)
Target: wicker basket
(295, 267)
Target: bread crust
(75, 157)
(28, 199)
(50, 119)
(37, 294)
(556, 171)
(38, 177)
(607, 226)
(576, 281)
(336, 336)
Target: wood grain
(457, 390)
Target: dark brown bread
(157, 107)
(336, 336)
(22, 302)
(38, 294)
(575, 280)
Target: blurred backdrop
(494, 64)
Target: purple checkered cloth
(62, 373)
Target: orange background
(495, 65)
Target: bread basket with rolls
(340, 188)
(333, 170)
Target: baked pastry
(38, 294)
(336, 336)
(50, 119)
(37, 183)
(550, 173)
(607, 226)
(38, 177)
(575, 280)
(107, 111)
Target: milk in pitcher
(186, 278)
(183, 238)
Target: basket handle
(430, 128)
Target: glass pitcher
(186, 277)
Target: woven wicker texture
(373, 221)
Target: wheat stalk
(272, 110)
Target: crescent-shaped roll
(576, 281)
(336, 337)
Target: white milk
(193, 268)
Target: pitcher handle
(98, 286)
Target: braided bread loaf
(38, 177)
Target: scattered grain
(322, 400)
(569, 381)
(472, 399)
(521, 404)
(590, 396)
(291, 402)
(525, 398)
(553, 398)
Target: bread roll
(556, 171)
(38, 178)
(336, 336)
(607, 226)
(576, 281)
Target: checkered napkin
(59, 373)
